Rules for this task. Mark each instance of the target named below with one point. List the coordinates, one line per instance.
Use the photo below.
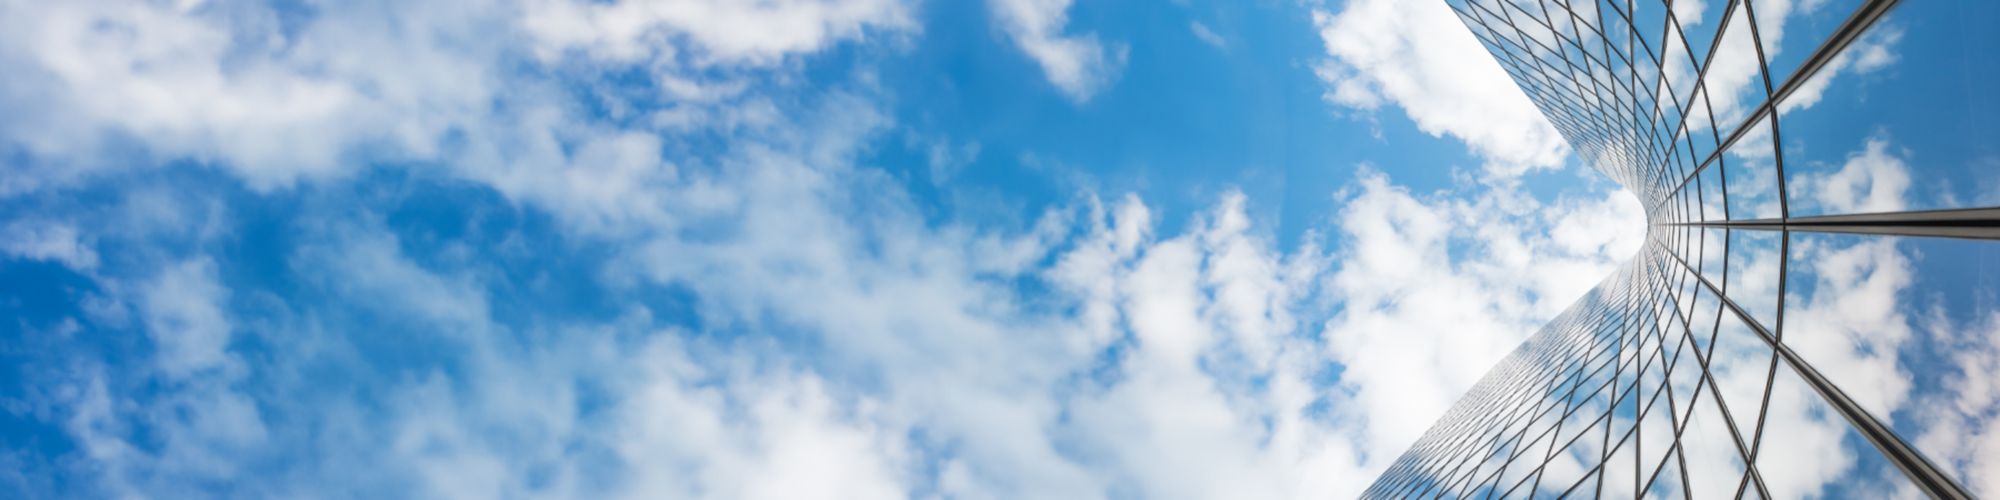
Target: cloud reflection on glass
(1756, 347)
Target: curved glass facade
(1814, 313)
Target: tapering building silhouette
(1813, 312)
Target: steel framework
(1622, 394)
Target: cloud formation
(1078, 65)
(706, 32)
(276, 95)
(1874, 179)
(1418, 56)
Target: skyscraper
(1813, 312)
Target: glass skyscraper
(1814, 311)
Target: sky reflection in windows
(1755, 347)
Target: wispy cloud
(1208, 36)
(1079, 65)
(1418, 56)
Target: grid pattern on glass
(1674, 377)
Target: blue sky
(801, 249)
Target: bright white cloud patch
(274, 102)
(1874, 179)
(1078, 65)
(1419, 57)
(705, 32)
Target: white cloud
(786, 438)
(1690, 12)
(1206, 310)
(1733, 84)
(1733, 81)
(1208, 36)
(239, 88)
(676, 416)
(943, 157)
(1870, 53)
(675, 426)
(159, 74)
(47, 240)
(1874, 179)
(712, 32)
(1855, 321)
(1418, 56)
(1418, 326)
(1962, 433)
(1862, 324)
(200, 426)
(185, 319)
(1804, 440)
(232, 88)
(1078, 65)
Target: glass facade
(1814, 312)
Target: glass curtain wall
(1814, 312)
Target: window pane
(1903, 119)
